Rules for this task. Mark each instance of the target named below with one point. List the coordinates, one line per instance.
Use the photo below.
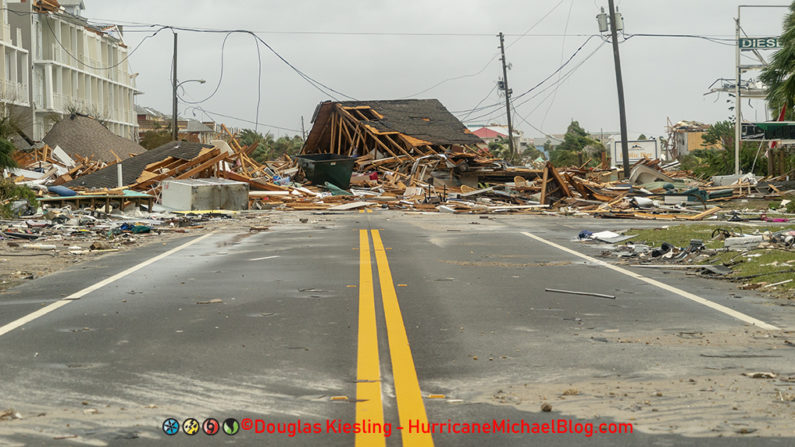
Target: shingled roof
(423, 121)
(426, 119)
(133, 167)
(87, 137)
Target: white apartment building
(14, 63)
(76, 67)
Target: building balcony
(14, 92)
(6, 33)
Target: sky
(444, 49)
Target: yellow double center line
(411, 408)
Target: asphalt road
(389, 319)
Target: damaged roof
(87, 137)
(197, 126)
(133, 167)
(426, 120)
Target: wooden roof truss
(351, 135)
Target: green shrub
(9, 192)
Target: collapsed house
(409, 128)
(417, 140)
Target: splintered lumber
(553, 187)
(161, 164)
(188, 165)
(145, 175)
(201, 167)
(544, 182)
(257, 194)
(703, 214)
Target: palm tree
(6, 149)
(779, 75)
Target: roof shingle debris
(87, 137)
(133, 167)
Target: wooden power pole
(507, 96)
(174, 130)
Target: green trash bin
(332, 168)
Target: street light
(175, 130)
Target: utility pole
(622, 113)
(303, 131)
(174, 129)
(507, 96)
(738, 119)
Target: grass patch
(680, 235)
(768, 261)
(743, 264)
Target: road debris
(9, 414)
(761, 375)
(571, 292)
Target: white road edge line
(262, 259)
(720, 308)
(64, 301)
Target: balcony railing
(14, 92)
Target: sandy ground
(724, 400)
(745, 384)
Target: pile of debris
(44, 166)
(761, 257)
(410, 155)
(433, 183)
(415, 155)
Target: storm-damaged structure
(408, 128)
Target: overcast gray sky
(380, 49)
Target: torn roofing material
(87, 137)
(417, 122)
(133, 167)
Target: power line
(211, 113)
(315, 83)
(562, 52)
(495, 56)
(536, 23)
(490, 106)
(66, 50)
(534, 127)
(220, 76)
(561, 67)
(493, 113)
(718, 40)
(565, 77)
(455, 78)
(481, 102)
